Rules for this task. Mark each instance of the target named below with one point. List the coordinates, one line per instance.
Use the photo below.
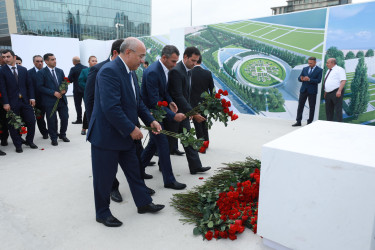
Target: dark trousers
(26, 112)
(301, 104)
(85, 124)
(42, 126)
(63, 111)
(3, 124)
(333, 106)
(104, 168)
(159, 142)
(173, 127)
(191, 155)
(78, 97)
(201, 129)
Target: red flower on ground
(165, 104)
(200, 178)
(234, 117)
(226, 110)
(230, 113)
(220, 91)
(223, 101)
(202, 149)
(206, 143)
(225, 93)
(229, 104)
(217, 96)
(209, 235)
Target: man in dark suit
(310, 77)
(90, 97)
(38, 65)
(18, 96)
(179, 87)
(77, 90)
(3, 121)
(201, 81)
(153, 90)
(49, 80)
(113, 129)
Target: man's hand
(338, 93)
(307, 79)
(179, 117)
(156, 126)
(302, 78)
(32, 103)
(6, 107)
(136, 134)
(173, 107)
(58, 95)
(63, 92)
(199, 118)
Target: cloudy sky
(169, 14)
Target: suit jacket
(315, 78)
(201, 81)
(33, 81)
(116, 110)
(178, 87)
(10, 88)
(47, 87)
(154, 88)
(73, 77)
(89, 95)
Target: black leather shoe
(308, 122)
(177, 152)
(110, 221)
(19, 150)
(152, 163)
(200, 170)
(77, 122)
(65, 139)
(23, 141)
(83, 132)
(297, 124)
(175, 185)
(45, 136)
(156, 154)
(150, 208)
(116, 196)
(4, 142)
(54, 143)
(147, 176)
(150, 191)
(31, 145)
(3, 153)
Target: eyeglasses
(141, 56)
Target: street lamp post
(118, 25)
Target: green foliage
(360, 54)
(158, 113)
(349, 55)
(369, 53)
(14, 120)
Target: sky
(171, 14)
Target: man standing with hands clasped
(310, 77)
(334, 83)
(113, 129)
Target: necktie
(325, 79)
(15, 73)
(310, 70)
(132, 84)
(55, 79)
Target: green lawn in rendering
(301, 40)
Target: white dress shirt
(50, 69)
(165, 70)
(334, 78)
(132, 81)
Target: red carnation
(217, 233)
(202, 149)
(234, 117)
(209, 235)
(165, 104)
(232, 236)
(229, 104)
(220, 91)
(223, 101)
(66, 79)
(224, 234)
(23, 130)
(230, 113)
(205, 144)
(225, 93)
(217, 96)
(226, 110)
(160, 103)
(0, 95)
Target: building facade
(297, 5)
(82, 19)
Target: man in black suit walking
(49, 80)
(38, 65)
(179, 87)
(77, 90)
(201, 81)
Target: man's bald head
(331, 62)
(76, 60)
(133, 52)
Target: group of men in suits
(26, 92)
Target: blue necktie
(54, 78)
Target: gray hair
(169, 50)
(129, 43)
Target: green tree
(369, 53)
(359, 87)
(360, 54)
(349, 55)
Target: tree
(360, 54)
(349, 55)
(369, 53)
(359, 87)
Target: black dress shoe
(77, 122)
(297, 124)
(23, 141)
(54, 143)
(65, 139)
(177, 152)
(116, 196)
(45, 136)
(83, 132)
(31, 145)
(4, 142)
(3, 153)
(308, 122)
(150, 191)
(156, 154)
(147, 176)
(152, 163)
(19, 150)
(175, 185)
(110, 221)
(150, 208)
(200, 170)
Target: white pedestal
(317, 188)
